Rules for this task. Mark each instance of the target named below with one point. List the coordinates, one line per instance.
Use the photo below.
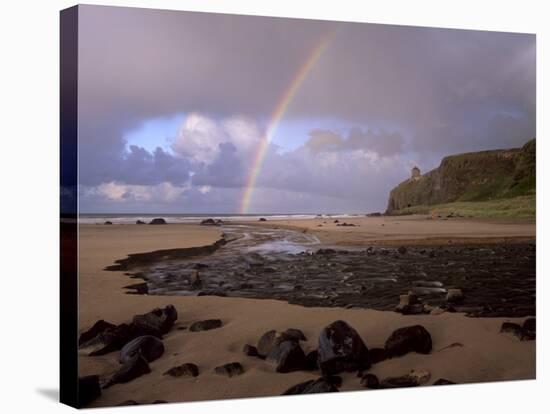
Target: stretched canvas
(257, 206)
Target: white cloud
(199, 137)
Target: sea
(194, 218)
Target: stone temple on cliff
(415, 173)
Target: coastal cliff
(469, 177)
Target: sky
(184, 112)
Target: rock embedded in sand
(408, 339)
(230, 370)
(88, 390)
(99, 327)
(148, 346)
(131, 369)
(262, 219)
(529, 329)
(412, 379)
(209, 222)
(108, 222)
(311, 361)
(287, 356)
(205, 325)
(269, 340)
(187, 369)
(157, 322)
(295, 334)
(250, 350)
(311, 387)
(443, 381)
(513, 328)
(140, 222)
(455, 296)
(370, 381)
(341, 349)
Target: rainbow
(277, 115)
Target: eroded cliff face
(475, 176)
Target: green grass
(517, 207)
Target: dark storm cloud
(445, 91)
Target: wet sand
(485, 354)
(410, 230)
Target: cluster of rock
(139, 343)
(211, 222)
(340, 349)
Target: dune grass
(516, 207)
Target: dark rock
(513, 328)
(212, 293)
(138, 288)
(375, 214)
(529, 329)
(408, 339)
(206, 325)
(455, 296)
(271, 339)
(160, 402)
(131, 369)
(326, 252)
(157, 322)
(149, 347)
(158, 221)
(377, 355)
(232, 369)
(341, 349)
(188, 370)
(443, 381)
(99, 327)
(311, 387)
(287, 356)
(250, 350)
(412, 379)
(195, 280)
(335, 380)
(402, 250)
(311, 361)
(262, 219)
(337, 221)
(108, 222)
(209, 222)
(88, 390)
(370, 381)
(294, 334)
(110, 340)
(140, 222)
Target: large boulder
(88, 390)
(148, 346)
(157, 322)
(287, 356)
(341, 349)
(131, 369)
(408, 339)
(312, 387)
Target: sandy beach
(464, 349)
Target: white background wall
(29, 202)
